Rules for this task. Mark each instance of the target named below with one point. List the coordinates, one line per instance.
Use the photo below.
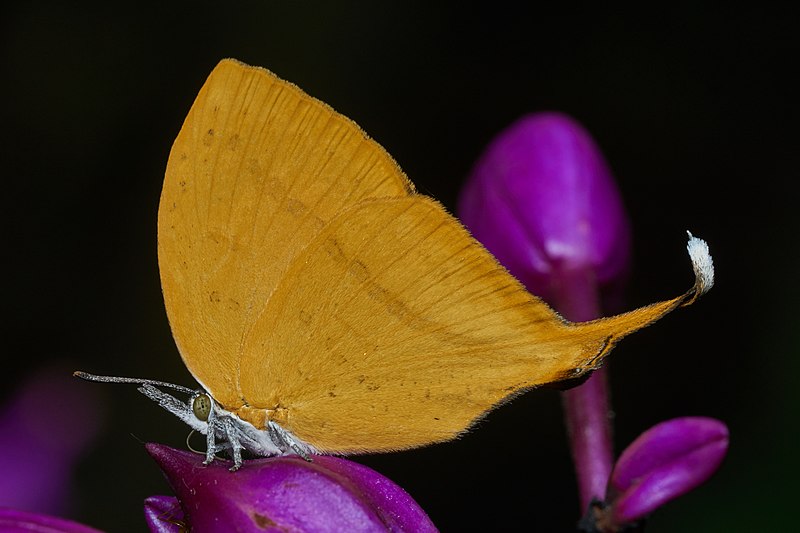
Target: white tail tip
(702, 264)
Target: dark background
(693, 108)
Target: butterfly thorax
(259, 417)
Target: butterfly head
(224, 430)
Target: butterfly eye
(201, 406)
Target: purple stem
(587, 406)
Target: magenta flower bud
(285, 494)
(14, 521)
(542, 199)
(666, 461)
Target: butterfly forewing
(257, 170)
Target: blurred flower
(666, 461)
(281, 494)
(14, 521)
(45, 427)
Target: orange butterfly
(324, 305)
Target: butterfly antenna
(136, 381)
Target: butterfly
(323, 305)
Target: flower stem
(586, 407)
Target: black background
(693, 108)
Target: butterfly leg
(286, 441)
(211, 444)
(233, 440)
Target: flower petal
(666, 461)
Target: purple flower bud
(286, 493)
(541, 198)
(14, 521)
(666, 461)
